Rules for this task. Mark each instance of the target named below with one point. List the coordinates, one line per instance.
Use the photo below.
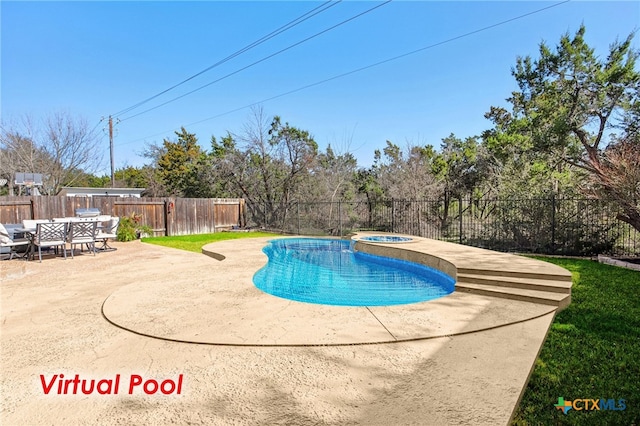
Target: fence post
(165, 215)
(393, 215)
(340, 218)
(460, 220)
(214, 216)
(298, 214)
(553, 223)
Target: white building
(101, 192)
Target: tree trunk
(632, 217)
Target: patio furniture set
(94, 233)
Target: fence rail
(166, 216)
(579, 227)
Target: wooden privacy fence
(166, 216)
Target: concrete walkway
(465, 358)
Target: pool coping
(275, 321)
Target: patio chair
(82, 232)
(51, 234)
(110, 231)
(7, 240)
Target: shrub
(130, 228)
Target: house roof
(101, 192)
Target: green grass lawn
(592, 350)
(195, 242)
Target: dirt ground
(52, 324)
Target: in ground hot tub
(385, 239)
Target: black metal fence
(576, 227)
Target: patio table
(29, 234)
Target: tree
(333, 177)
(267, 164)
(19, 153)
(457, 170)
(455, 166)
(406, 175)
(224, 157)
(138, 177)
(617, 178)
(72, 148)
(61, 147)
(329, 181)
(93, 181)
(401, 177)
(155, 186)
(182, 166)
(294, 151)
(513, 168)
(570, 102)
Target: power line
(322, 8)
(96, 126)
(413, 52)
(259, 61)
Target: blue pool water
(329, 272)
(386, 239)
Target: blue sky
(95, 59)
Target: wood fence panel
(227, 215)
(62, 206)
(204, 215)
(151, 211)
(182, 221)
(166, 216)
(106, 205)
(170, 216)
(15, 209)
(193, 215)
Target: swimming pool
(329, 272)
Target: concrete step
(552, 285)
(561, 300)
(513, 274)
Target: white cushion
(51, 243)
(5, 238)
(15, 243)
(82, 240)
(106, 235)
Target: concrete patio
(257, 359)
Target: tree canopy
(573, 107)
(181, 166)
(61, 147)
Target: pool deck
(257, 359)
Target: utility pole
(113, 177)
